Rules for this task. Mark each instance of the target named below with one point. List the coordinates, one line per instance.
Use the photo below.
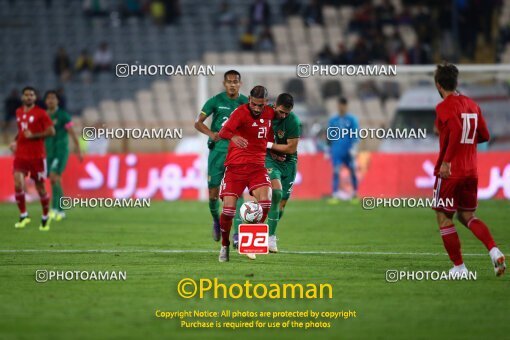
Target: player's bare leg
(227, 215)
(451, 241)
(214, 207)
(274, 213)
(45, 204)
(19, 189)
(480, 230)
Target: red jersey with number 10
(257, 130)
(461, 127)
(35, 120)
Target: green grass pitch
(382, 239)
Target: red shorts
(456, 194)
(36, 168)
(239, 177)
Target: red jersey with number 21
(461, 127)
(257, 130)
(35, 120)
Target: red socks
(20, 201)
(480, 230)
(226, 217)
(45, 203)
(22, 206)
(452, 243)
(266, 205)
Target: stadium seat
(374, 112)
(281, 37)
(390, 107)
(248, 58)
(316, 37)
(330, 16)
(266, 58)
(91, 116)
(110, 113)
(297, 89)
(128, 113)
(331, 88)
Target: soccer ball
(251, 212)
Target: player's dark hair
(231, 72)
(286, 100)
(259, 92)
(51, 92)
(446, 76)
(342, 100)
(28, 88)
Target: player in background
(57, 150)
(220, 107)
(34, 125)
(282, 166)
(343, 149)
(461, 126)
(248, 129)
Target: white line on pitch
(198, 251)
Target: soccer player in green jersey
(57, 150)
(220, 107)
(281, 161)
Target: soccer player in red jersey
(249, 131)
(34, 125)
(461, 126)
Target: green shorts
(57, 163)
(285, 172)
(215, 168)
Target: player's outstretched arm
(201, 127)
(290, 147)
(74, 138)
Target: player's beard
(253, 114)
(29, 103)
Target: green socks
(274, 213)
(56, 194)
(214, 208)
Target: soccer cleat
(251, 256)
(45, 224)
(53, 213)
(333, 201)
(458, 271)
(235, 238)
(224, 254)
(59, 216)
(23, 221)
(272, 244)
(498, 259)
(216, 233)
